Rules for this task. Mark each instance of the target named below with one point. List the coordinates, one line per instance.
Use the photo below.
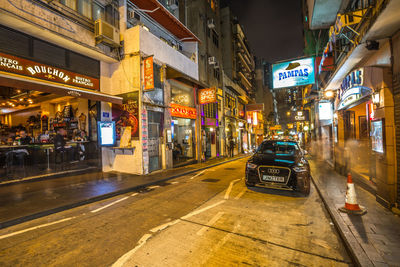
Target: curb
(104, 196)
(356, 252)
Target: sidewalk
(374, 238)
(26, 201)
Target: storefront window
(181, 94)
(183, 136)
(46, 133)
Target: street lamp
(329, 94)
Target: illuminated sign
(301, 115)
(148, 73)
(354, 79)
(183, 112)
(107, 133)
(208, 95)
(25, 67)
(255, 107)
(325, 111)
(293, 73)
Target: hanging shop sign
(325, 111)
(183, 112)
(301, 115)
(208, 95)
(29, 68)
(148, 73)
(255, 107)
(293, 73)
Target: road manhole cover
(209, 180)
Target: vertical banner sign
(148, 73)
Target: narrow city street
(208, 218)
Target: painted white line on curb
(163, 226)
(35, 227)
(197, 174)
(153, 187)
(134, 194)
(121, 261)
(202, 210)
(210, 223)
(228, 191)
(241, 194)
(108, 205)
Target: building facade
(358, 75)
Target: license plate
(270, 178)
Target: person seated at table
(24, 139)
(60, 143)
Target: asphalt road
(205, 219)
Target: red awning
(166, 19)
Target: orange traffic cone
(351, 205)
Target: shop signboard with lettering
(29, 68)
(207, 95)
(293, 73)
(301, 115)
(183, 112)
(354, 87)
(148, 73)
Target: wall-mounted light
(329, 94)
(376, 98)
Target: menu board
(106, 133)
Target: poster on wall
(127, 115)
(148, 73)
(377, 136)
(293, 73)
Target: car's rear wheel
(303, 186)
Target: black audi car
(280, 165)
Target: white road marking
(202, 210)
(35, 227)
(228, 191)
(121, 261)
(241, 193)
(174, 182)
(108, 205)
(197, 174)
(163, 226)
(134, 194)
(210, 223)
(153, 187)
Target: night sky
(273, 27)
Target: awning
(166, 19)
(173, 73)
(48, 87)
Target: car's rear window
(278, 148)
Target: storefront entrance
(183, 136)
(155, 120)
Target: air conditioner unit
(173, 4)
(106, 33)
(132, 15)
(212, 60)
(211, 23)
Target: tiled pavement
(374, 238)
